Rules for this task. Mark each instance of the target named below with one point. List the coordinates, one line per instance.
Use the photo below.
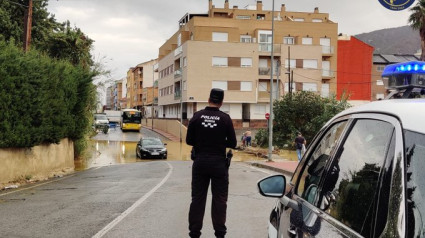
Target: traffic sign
(267, 115)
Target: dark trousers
(205, 170)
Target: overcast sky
(129, 32)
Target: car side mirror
(165, 143)
(272, 186)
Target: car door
(306, 179)
(351, 200)
(342, 201)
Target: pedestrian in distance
(300, 142)
(210, 132)
(248, 138)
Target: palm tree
(417, 22)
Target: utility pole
(153, 91)
(289, 70)
(271, 93)
(27, 26)
(181, 98)
(277, 81)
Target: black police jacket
(210, 131)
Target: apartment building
(354, 69)
(109, 97)
(141, 90)
(378, 90)
(230, 48)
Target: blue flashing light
(403, 68)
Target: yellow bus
(131, 120)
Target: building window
(379, 82)
(310, 87)
(184, 61)
(219, 61)
(292, 62)
(243, 17)
(220, 36)
(219, 84)
(260, 109)
(245, 39)
(288, 40)
(246, 62)
(325, 90)
(246, 86)
(307, 41)
(299, 19)
(184, 86)
(309, 64)
(380, 68)
(380, 96)
(317, 20)
(191, 36)
(262, 86)
(265, 40)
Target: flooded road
(117, 147)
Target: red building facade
(354, 68)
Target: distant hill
(399, 40)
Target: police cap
(216, 95)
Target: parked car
(151, 147)
(101, 122)
(361, 176)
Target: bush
(304, 112)
(42, 100)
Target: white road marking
(117, 220)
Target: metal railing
(264, 71)
(327, 49)
(327, 73)
(177, 73)
(178, 51)
(177, 94)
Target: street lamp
(269, 158)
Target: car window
(415, 153)
(351, 185)
(318, 159)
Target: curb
(265, 166)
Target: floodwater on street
(104, 152)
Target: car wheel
(165, 157)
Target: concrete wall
(169, 126)
(38, 162)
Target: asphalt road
(129, 200)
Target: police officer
(210, 131)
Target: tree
(58, 40)
(304, 112)
(417, 22)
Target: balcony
(327, 50)
(177, 94)
(264, 71)
(178, 73)
(267, 47)
(326, 73)
(178, 51)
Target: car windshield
(415, 151)
(100, 117)
(152, 142)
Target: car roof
(410, 112)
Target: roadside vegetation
(304, 112)
(47, 93)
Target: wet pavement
(119, 147)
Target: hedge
(42, 100)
